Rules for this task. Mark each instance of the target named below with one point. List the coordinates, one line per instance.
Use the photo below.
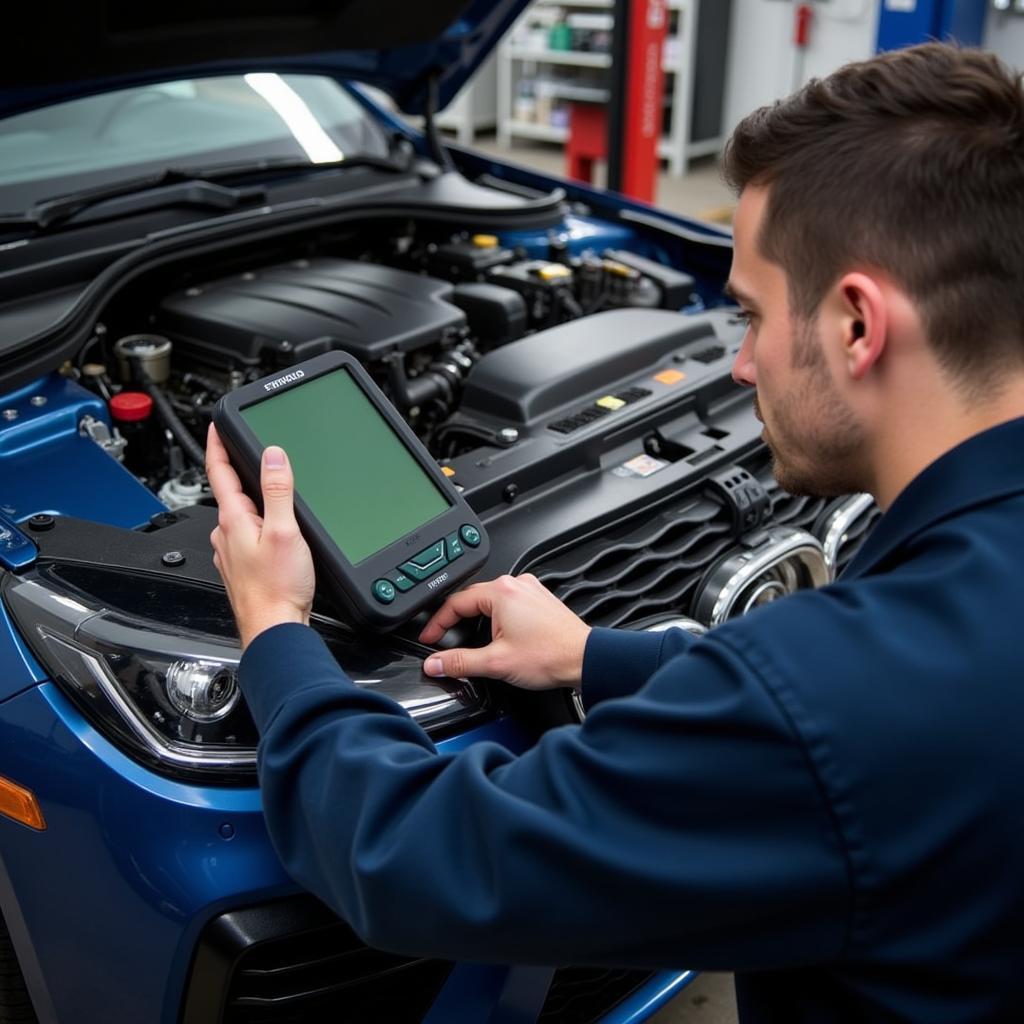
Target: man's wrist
(251, 624)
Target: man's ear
(862, 321)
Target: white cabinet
(537, 79)
(476, 105)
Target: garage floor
(708, 1000)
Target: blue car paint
(154, 865)
(81, 479)
(665, 985)
(19, 669)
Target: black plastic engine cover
(286, 313)
(530, 379)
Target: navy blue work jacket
(826, 796)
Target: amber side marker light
(20, 804)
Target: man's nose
(743, 364)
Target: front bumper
(152, 900)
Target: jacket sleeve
(682, 826)
(617, 662)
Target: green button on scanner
(417, 572)
(401, 581)
(430, 558)
(384, 591)
(470, 535)
(454, 546)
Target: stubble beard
(817, 444)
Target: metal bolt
(508, 435)
(173, 558)
(38, 400)
(41, 522)
(510, 493)
(284, 346)
(10, 414)
(227, 830)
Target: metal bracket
(96, 430)
(746, 499)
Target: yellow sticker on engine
(554, 272)
(448, 471)
(610, 402)
(670, 376)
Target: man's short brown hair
(912, 163)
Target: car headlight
(162, 681)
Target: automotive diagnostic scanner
(389, 534)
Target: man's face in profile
(812, 431)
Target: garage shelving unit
(560, 75)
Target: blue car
(187, 203)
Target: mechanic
(826, 796)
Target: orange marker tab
(448, 471)
(670, 376)
(20, 804)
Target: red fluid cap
(130, 406)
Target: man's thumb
(460, 662)
(277, 486)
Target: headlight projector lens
(203, 691)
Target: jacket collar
(982, 469)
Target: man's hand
(536, 642)
(265, 563)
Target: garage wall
(764, 65)
(1004, 35)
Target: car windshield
(117, 136)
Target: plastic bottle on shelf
(525, 106)
(560, 37)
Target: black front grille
(316, 976)
(294, 962)
(653, 560)
(649, 563)
(583, 995)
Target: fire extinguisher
(802, 25)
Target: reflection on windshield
(297, 116)
(131, 132)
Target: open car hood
(70, 50)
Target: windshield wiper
(198, 188)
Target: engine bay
(486, 349)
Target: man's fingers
(474, 600)
(278, 488)
(483, 661)
(224, 482)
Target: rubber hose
(189, 445)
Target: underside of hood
(59, 52)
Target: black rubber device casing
(351, 587)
